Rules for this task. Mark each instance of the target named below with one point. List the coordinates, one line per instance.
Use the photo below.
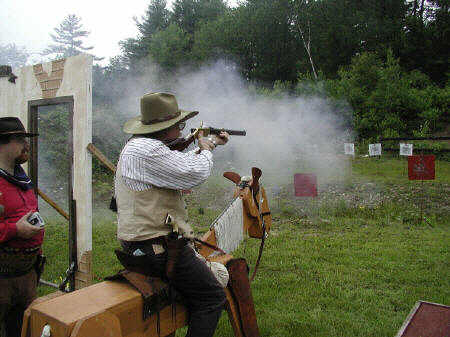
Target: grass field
(351, 263)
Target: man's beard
(23, 158)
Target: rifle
(182, 143)
(214, 131)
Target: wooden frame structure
(33, 116)
(61, 81)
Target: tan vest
(141, 214)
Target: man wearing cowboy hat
(20, 241)
(148, 185)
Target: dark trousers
(16, 294)
(202, 293)
(12, 317)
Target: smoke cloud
(285, 135)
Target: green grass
(352, 263)
(395, 170)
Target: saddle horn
(234, 177)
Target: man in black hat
(20, 241)
(148, 184)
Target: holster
(113, 204)
(39, 266)
(138, 264)
(174, 245)
(156, 294)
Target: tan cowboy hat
(159, 111)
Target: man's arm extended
(146, 161)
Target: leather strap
(209, 245)
(261, 248)
(156, 294)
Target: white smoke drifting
(285, 135)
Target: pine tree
(68, 38)
(13, 55)
(156, 19)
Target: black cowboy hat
(13, 126)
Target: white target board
(349, 148)
(375, 149)
(406, 149)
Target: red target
(421, 167)
(305, 185)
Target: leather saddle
(156, 292)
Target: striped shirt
(147, 162)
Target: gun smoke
(285, 134)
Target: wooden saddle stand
(145, 306)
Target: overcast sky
(28, 23)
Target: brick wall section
(83, 276)
(50, 84)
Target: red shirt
(16, 203)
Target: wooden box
(105, 309)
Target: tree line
(388, 59)
(275, 40)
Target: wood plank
(100, 156)
(49, 201)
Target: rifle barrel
(232, 132)
(216, 131)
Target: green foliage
(308, 85)
(274, 40)
(211, 39)
(159, 24)
(168, 47)
(155, 19)
(187, 14)
(382, 66)
(53, 140)
(425, 44)
(387, 101)
(134, 50)
(278, 91)
(268, 47)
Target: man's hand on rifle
(209, 143)
(221, 139)
(204, 143)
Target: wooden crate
(105, 309)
